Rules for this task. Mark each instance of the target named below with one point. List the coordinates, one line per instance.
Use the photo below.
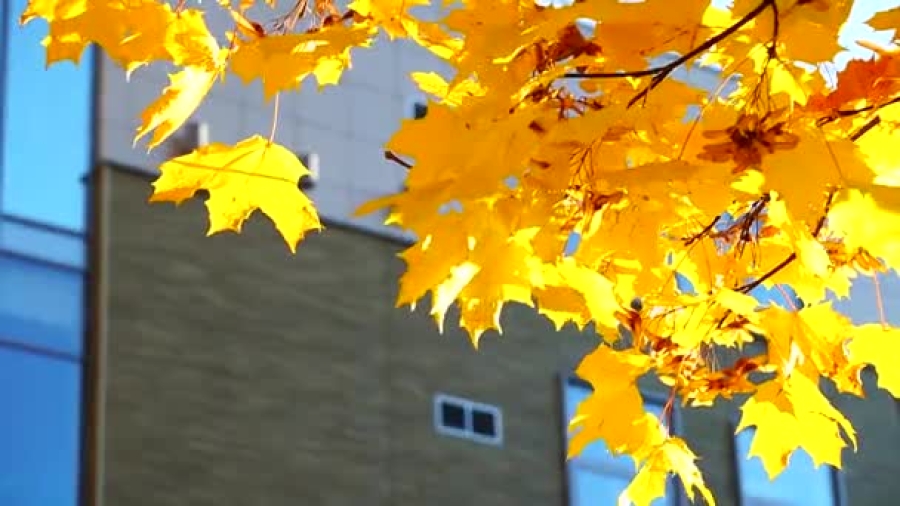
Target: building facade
(146, 364)
(46, 150)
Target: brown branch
(389, 155)
(793, 256)
(773, 271)
(663, 71)
(712, 41)
(872, 123)
(703, 233)
(843, 113)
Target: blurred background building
(143, 363)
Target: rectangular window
(458, 417)
(800, 484)
(596, 476)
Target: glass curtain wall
(45, 145)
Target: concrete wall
(239, 374)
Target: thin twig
(665, 70)
(843, 113)
(274, 119)
(389, 155)
(712, 41)
(793, 256)
(872, 123)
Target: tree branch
(839, 113)
(793, 256)
(391, 156)
(872, 123)
(660, 73)
(712, 41)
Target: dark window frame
(469, 407)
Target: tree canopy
(577, 174)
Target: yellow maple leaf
(880, 347)
(177, 103)
(613, 375)
(672, 456)
(132, 33)
(392, 15)
(253, 174)
(811, 339)
(281, 62)
(794, 414)
(434, 84)
(868, 217)
(885, 20)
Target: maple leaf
(811, 339)
(876, 345)
(253, 174)
(885, 20)
(613, 375)
(176, 104)
(868, 217)
(650, 483)
(132, 34)
(792, 414)
(281, 62)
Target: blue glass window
(46, 128)
(38, 430)
(596, 476)
(41, 306)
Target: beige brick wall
(239, 374)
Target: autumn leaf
(613, 376)
(794, 414)
(281, 62)
(876, 345)
(177, 103)
(673, 455)
(253, 174)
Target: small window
(483, 423)
(453, 415)
(457, 417)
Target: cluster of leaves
(579, 180)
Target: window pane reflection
(30, 240)
(41, 305)
(38, 430)
(596, 489)
(800, 484)
(46, 128)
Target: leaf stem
(275, 118)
